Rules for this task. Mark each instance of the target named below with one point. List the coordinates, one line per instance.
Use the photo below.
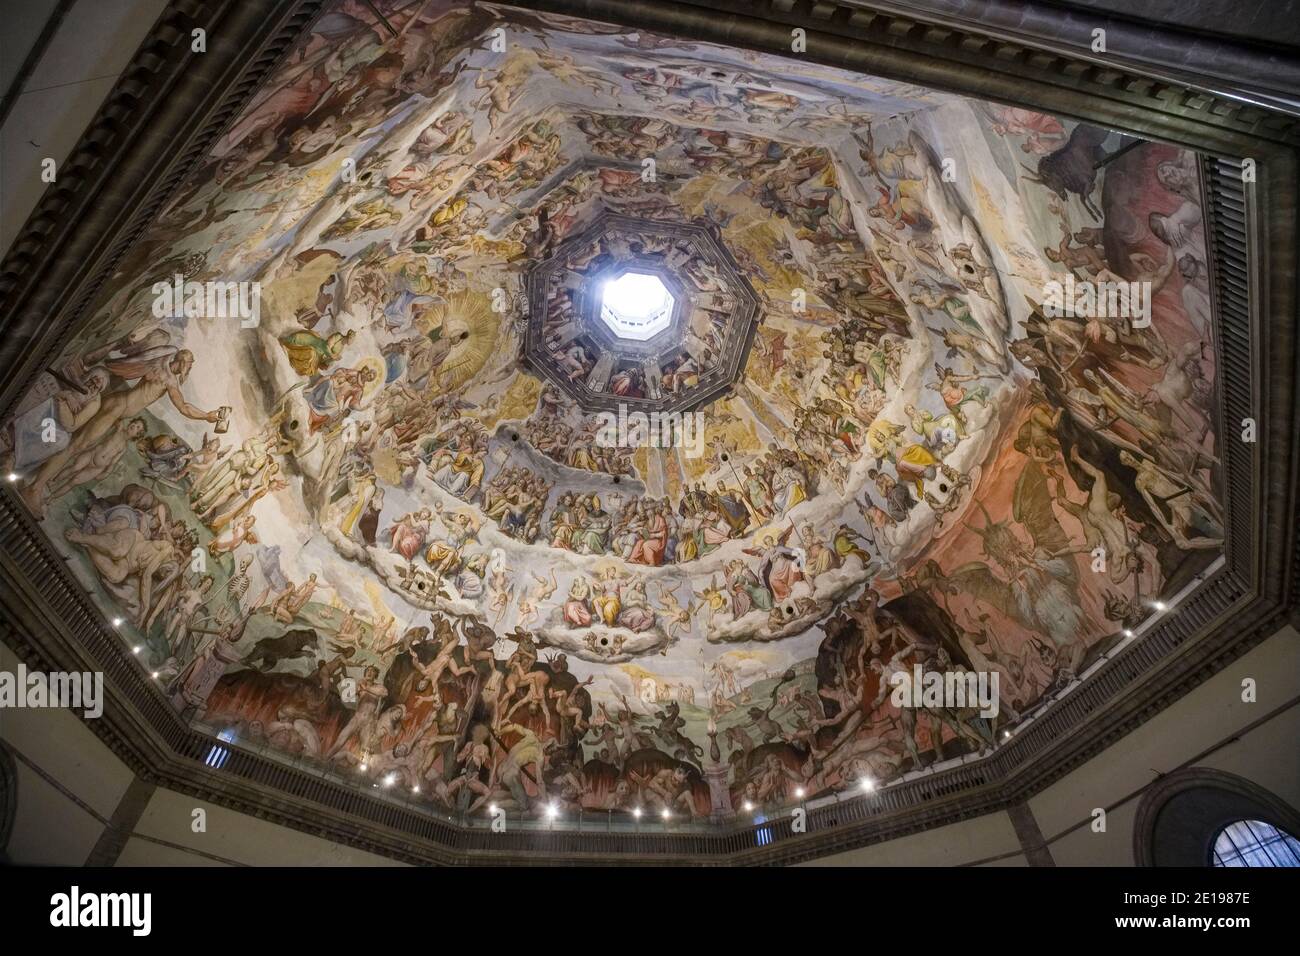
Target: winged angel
(1038, 584)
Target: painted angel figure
(675, 616)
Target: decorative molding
(1227, 66)
(169, 108)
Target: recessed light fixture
(868, 784)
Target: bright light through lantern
(636, 306)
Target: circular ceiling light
(636, 306)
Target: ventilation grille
(1226, 217)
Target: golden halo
(380, 370)
(474, 522)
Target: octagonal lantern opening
(636, 306)
(639, 313)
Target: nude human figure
(864, 612)
(96, 461)
(634, 738)
(535, 683)
(566, 706)
(443, 661)
(527, 752)
(471, 759)
(668, 789)
(501, 89)
(245, 464)
(157, 377)
(292, 600)
(851, 715)
(124, 552)
(349, 630)
(1179, 388)
(184, 611)
(1086, 256)
(886, 670)
(530, 602)
(774, 779)
(608, 736)
(1103, 521)
(292, 729)
(1177, 506)
(370, 695)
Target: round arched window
(1255, 843)
(1198, 816)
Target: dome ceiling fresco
(405, 520)
(678, 339)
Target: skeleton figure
(237, 586)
